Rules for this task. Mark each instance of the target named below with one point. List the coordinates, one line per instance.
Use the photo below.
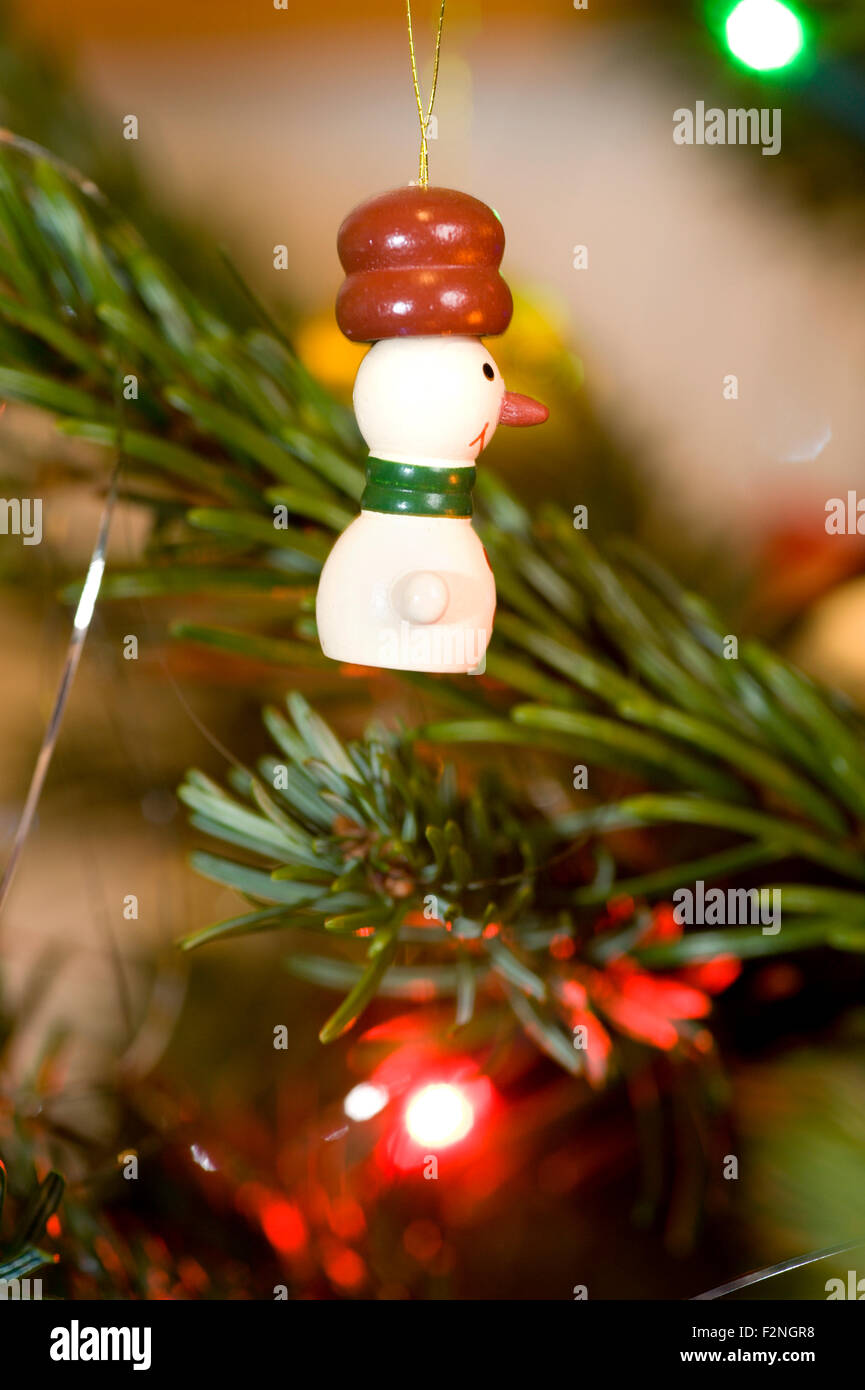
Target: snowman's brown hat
(422, 261)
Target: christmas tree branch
(701, 756)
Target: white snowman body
(416, 592)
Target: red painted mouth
(480, 437)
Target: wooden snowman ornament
(408, 585)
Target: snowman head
(434, 400)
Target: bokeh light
(764, 34)
(439, 1115)
(364, 1101)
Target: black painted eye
(489, 373)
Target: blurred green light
(764, 34)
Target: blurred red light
(283, 1225)
(439, 1115)
(344, 1267)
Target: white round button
(422, 597)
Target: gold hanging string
(423, 169)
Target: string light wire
(75, 647)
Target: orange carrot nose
(521, 410)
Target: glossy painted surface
(420, 262)
(522, 410)
(408, 584)
(428, 400)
